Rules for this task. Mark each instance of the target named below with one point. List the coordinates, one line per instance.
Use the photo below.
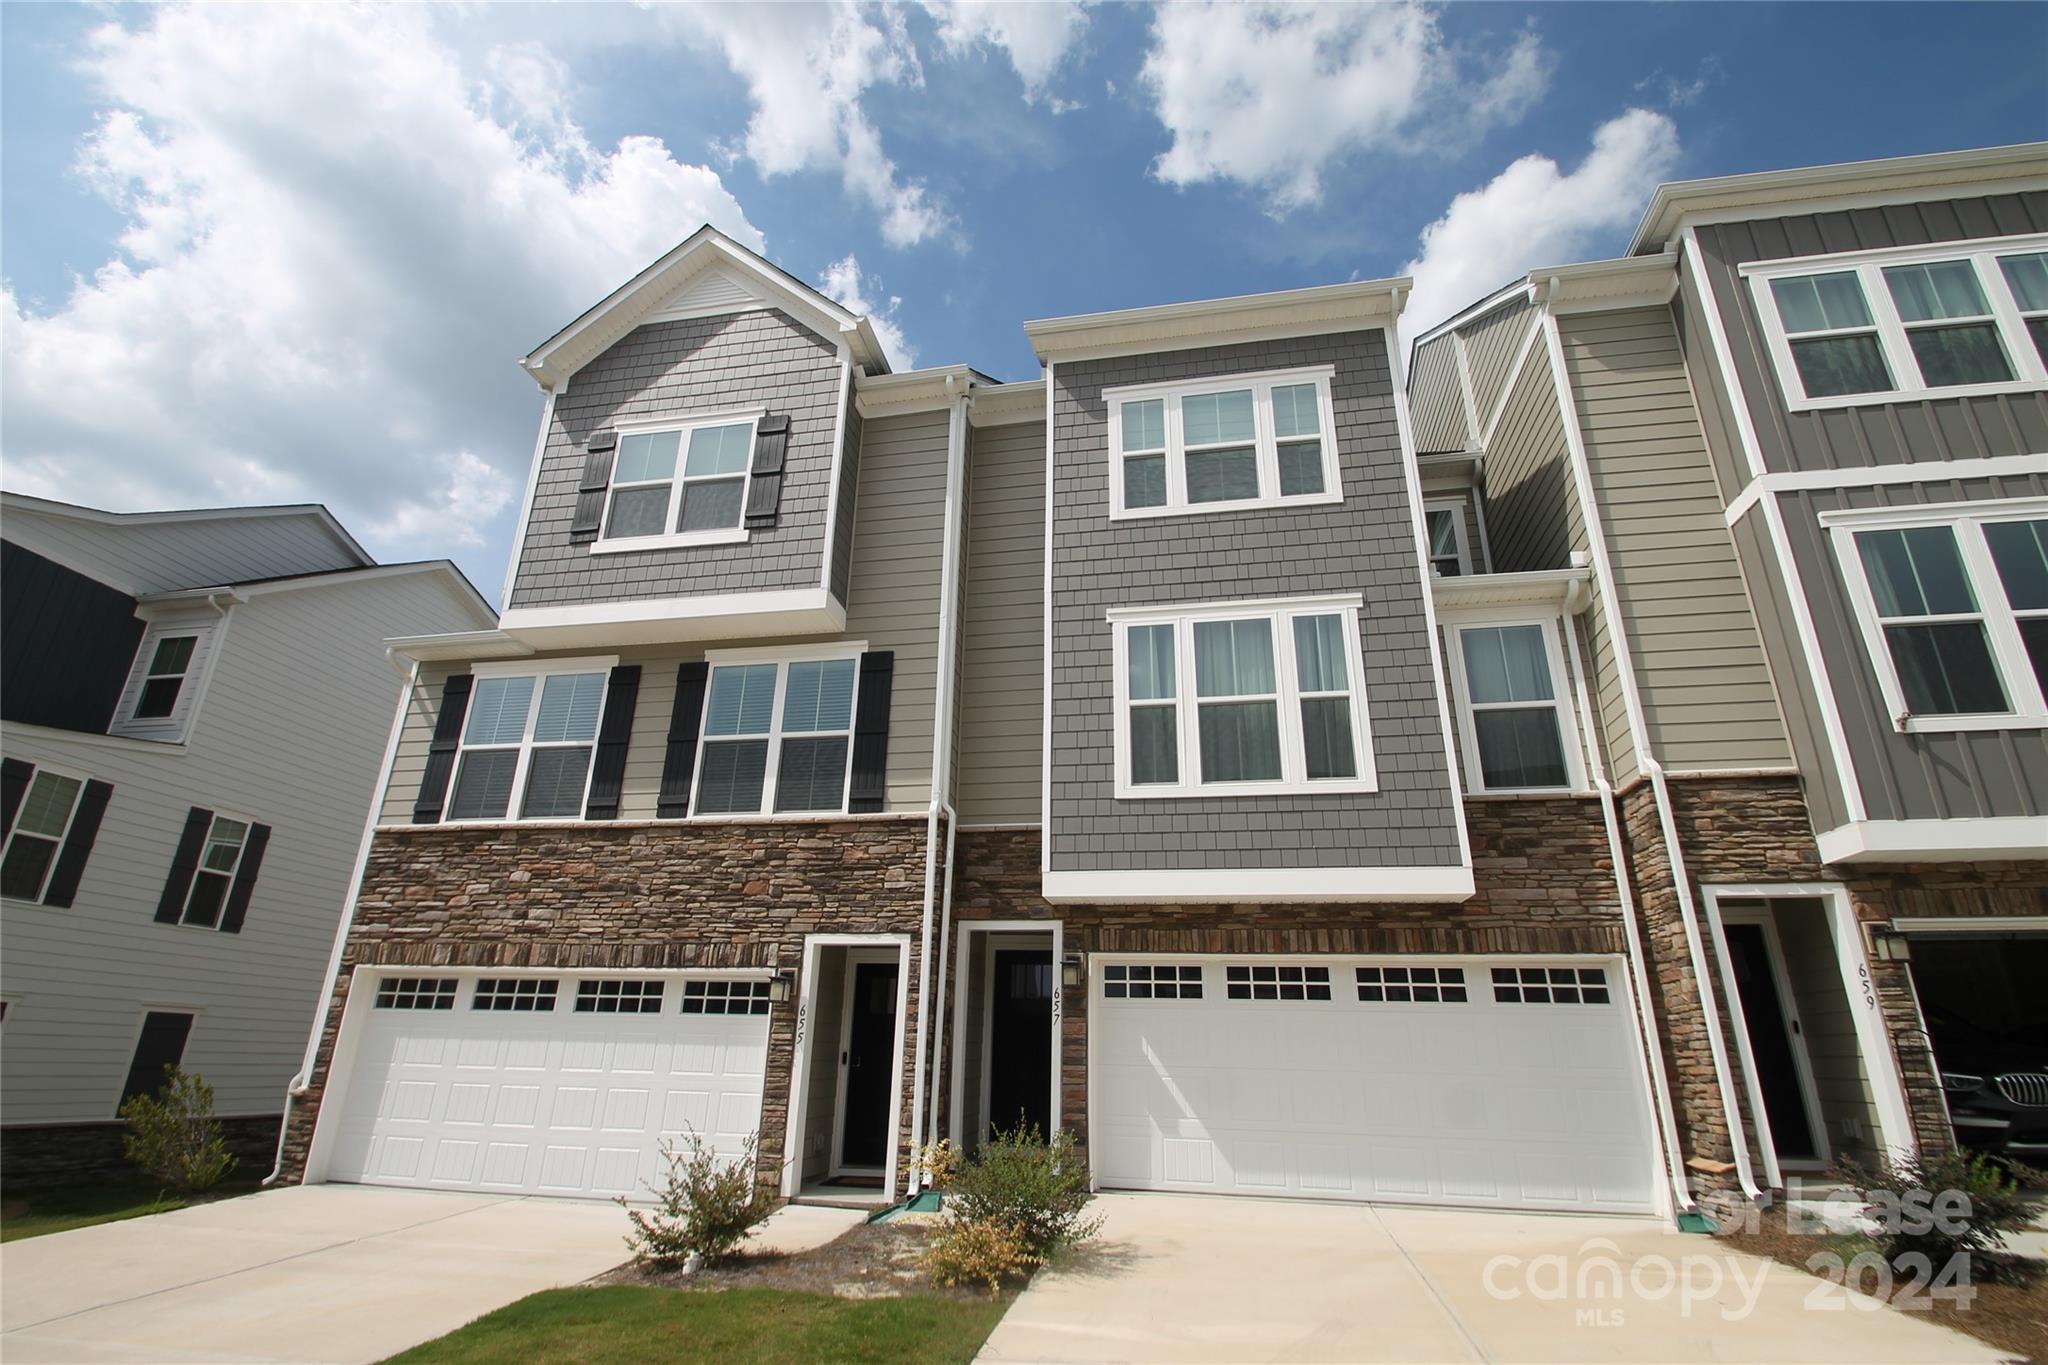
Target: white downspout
(1632, 702)
(942, 755)
(1577, 599)
(296, 1087)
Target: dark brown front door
(1020, 1041)
(1770, 1042)
(870, 1046)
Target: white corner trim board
(1260, 884)
(1884, 841)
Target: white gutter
(942, 754)
(1577, 598)
(1632, 703)
(298, 1084)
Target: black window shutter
(184, 863)
(597, 477)
(614, 735)
(245, 880)
(162, 1044)
(764, 493)
(15, 776)
(426, 809)
(871, 731)
(680, 763)
(85, 827)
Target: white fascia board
(1356, 306)
(933, 390)
(240, 592)
(1213, 886)
(1606, 286)
(49, 507)
(461, 645)
(803, 611)
(1994, 838)
(1772, 193)
(1537, 588)
(1007, 404)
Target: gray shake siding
(1885, 433)
(674, 369)
(1363, 544)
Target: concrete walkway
(310, 1273)
(1199, 1278)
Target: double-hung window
(40, 826)
(1444, 522)
(165, 680)
(1217, 445)
(1892, 325)
(220, 857)
(1241, 699)
(777, 734)
(1954, 608)
(680, 483)
(527, 741)
(1512, 712)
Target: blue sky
(258, 254)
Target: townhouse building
(190, 710)
(1292, 779)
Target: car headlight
(1956, 1083)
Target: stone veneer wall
(34, 1154)
(650, 896)
(1544, 883)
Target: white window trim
(1264, 442)
(173, 728)
(248, 823)
(539, 672)
(36, 770)
(782, 658)
(2022, 692)
(1569, 738)
(671, 539)
(1456, 507)
(1868, 266)
(1280, 612)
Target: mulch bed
(2011, 1317)
(868, 1261)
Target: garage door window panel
(1411, 985)
(1276, 982)
(777, 737)
(530, 733)
(1550, 985)
(1151, 981)
(416, 993)
(520, 995)
(725, 997)
(614, 996)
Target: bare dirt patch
(2011, 1317)
(868, 1261)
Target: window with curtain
(1223, 444)
(1957, 613)
(1513, 708)
(777, 737)
(529, 736)
(1883, 325)
(1229, 701)
(680, 482)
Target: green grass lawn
(635, 1323)
(36, 1210)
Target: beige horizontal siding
(1706, 690)
(1528, 480)
(1492, 345)
(1437, 400)
(1001, 711)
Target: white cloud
(806, 68)
(844, 283)
(1036, 35)
(1677, 92)
(1534, 214)
(1270, 95)
(337, 240)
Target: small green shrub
(1037, 1188)
(174, 1136)
(704, 1207)
(1946, 1205)
(977, 1251)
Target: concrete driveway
(307, 1273)
(1186, 1279)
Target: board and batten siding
(165, 556)
(1493, 343)
(290, 733)
(1528, 479)
(758, 359)
(1439, 410)
(1700, 667)
(1881, 433)
(1002, 699)
(1943, 776)
(892, 603)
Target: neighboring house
(191, 705)
(1189, 748)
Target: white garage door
(1446, 1081)
(547, 1085)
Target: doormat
(856, 1182)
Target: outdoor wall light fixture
(780, 985)
(1889, 945)
(1071, 971)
